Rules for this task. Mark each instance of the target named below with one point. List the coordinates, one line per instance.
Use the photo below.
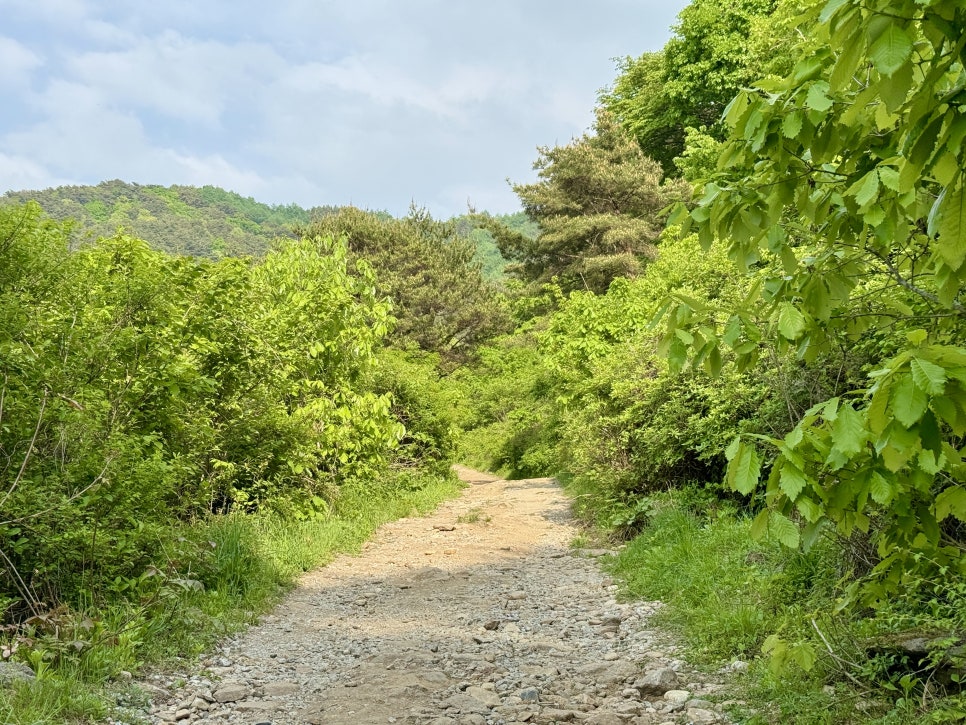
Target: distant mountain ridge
(202, 221)
(209, 221)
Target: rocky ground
(480, 613)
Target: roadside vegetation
(765, 398)
(181, 438)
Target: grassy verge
(729, 598)
(224, 572)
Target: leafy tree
(441, 300)
(138, 390)
(847, 175)
(687, 84)
(488, 254)
(598, 204)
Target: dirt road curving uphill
(479, 613)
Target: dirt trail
(479, 613)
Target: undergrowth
(218, 577)
(728, 598)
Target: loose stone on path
(480, 613)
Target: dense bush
(137, 389)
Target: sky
(375, 103)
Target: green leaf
(791, 322)
(889, 177)
(783, 530)
(951, 245)
(891, 50)
(951, 502)
(881, 489)
(794, 436)
(848, 432)
(831, 7)
(712, 362)
(817, 97)
(792, 124)
(744, 469)
(792, 481)
(845, 65)
(908, 401)
(759, 527)
(928, 376)
(865, 189)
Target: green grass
(223, 573)
(712, 577)
(724, 594)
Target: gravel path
(479, 613)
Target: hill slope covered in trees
(209, 221)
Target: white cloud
(20, 172)
(175, 76)
(16, 62)
(373, 102)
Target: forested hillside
(211, 222)
(202, 222)
(732, 322)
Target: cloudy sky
(377, 103)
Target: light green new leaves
(817, 97)
(776, 526)
(792, 481)
(791, 322)
(866, 189)
(909, 402)
(928, 376)
(951, 244)
(951, 502)
(848, 431)
(891, 50)
(744, 468)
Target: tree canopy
(598, 204)
(717, 48)
(848, 174)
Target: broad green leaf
(713, 362)
(831, 7)
(951, 502)
(792, 481)
(928, 463)
(791, 322)
(759, 527)
(917, 337)
(881, 489)
(845, 65)
(792, 124)
(865, 189)
(783, 530)
(848, 432)
(794, 436)
(951, 224)
(889, 177)
(809, 510)
(894, 90)
(891, 50)
(732, 331)
(817, 97)
(908, 401)
(803, 654)
(744, 469)
(928, 376)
